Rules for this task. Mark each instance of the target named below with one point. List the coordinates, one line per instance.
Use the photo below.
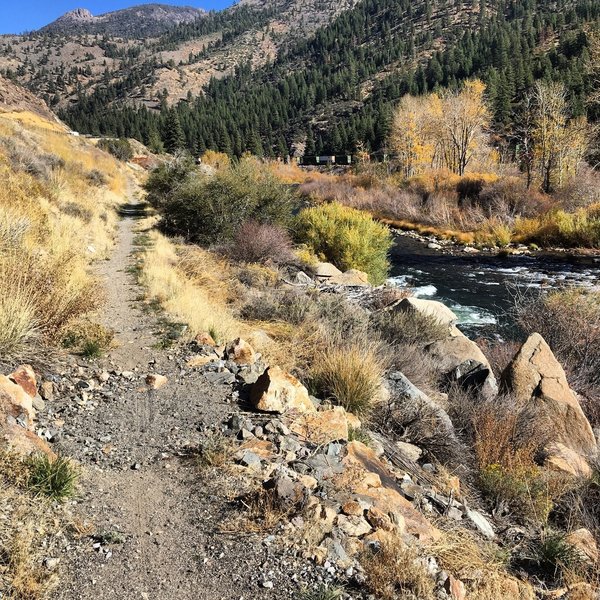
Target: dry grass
(190, 287)
(30, 532)
(350, 374)
(395, 572)
(55, 219)
(479, 564)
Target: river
(480, 288)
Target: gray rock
(224, 378)
(481, 524)
(302, 278)
(38, 403)
(251, 460)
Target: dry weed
(394, 571)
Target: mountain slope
(138, 21)
(276, 77)
(336, 89)
(15, 98)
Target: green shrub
(347, 237)
(119, 148)
(211, 208)
(553, 554)
(55, 478)
(323, 592)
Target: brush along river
(480, 288)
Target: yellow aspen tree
(559, 144)
(409, 138)
(464, 121)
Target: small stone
(38, 403)
(51, 563)
(155, 381)
(47, 391)
(136, 467)
(352, 508)
(481, 523)
(268, 585)
(244, 434)
(353, 525)
(205, 339)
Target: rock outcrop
(539, 385)
(457, 358)
(433, 309)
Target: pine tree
(172, 132)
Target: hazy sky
(17, 16)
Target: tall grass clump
(349, 374)
(55, 478)
(394, 570)
(347, 237)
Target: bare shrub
(418, 366)
(261, 242)
(409, 327)
(509, 197)
(498, 353)
(581, 191)
(508, 473)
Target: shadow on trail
(134, 210)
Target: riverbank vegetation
(455, 175)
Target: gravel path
(154, 518)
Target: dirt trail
(154, 517)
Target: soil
(151, 522)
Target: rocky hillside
(146, 20)
(155, 53)
(15, 98)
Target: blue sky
(24, 15)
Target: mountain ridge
(144, 19)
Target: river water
(480, 288)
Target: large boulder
(430, 308)
(279, 392)
(539, 384)
(325, 271)
(352, 277)
(457, 358)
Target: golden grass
(57, 215)
(395, 572)
(188, 288)
(479, 564)
(350, 374)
